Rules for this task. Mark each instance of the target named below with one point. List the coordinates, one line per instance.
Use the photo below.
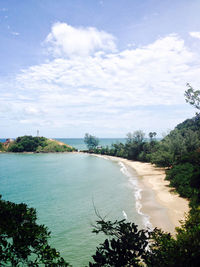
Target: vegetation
(91, 141)
(27, 144)
(135, 148)
(185, 177)
(125, 245)
(38, 144)
(192, 97)
(2, 147)
(54, 146)
(22, 241)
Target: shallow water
(64, 188)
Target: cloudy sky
(105, 67)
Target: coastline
(164, 208)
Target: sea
(70, 191)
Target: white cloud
(151, 75)
(15, 33)
(33, 110)
(109, 92)
(65, 40)
(195, 34)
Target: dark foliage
(38, 144)
(192, 124)
(185, 177)
(27, 144)
(91, 141)
(183, 250)
(127, 246)
(22, 241)
(135, 148)
(1, 146)
(192, 96)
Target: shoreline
(164, 208)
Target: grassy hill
(35, 144)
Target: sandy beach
(165, 208)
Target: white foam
(123, 169)
(124, 214)
(101, 156)
(138, 196)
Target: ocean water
(64, 189)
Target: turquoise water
(64, 189)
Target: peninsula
(35, 145)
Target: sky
(105, 67)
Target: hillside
(192, 124)
(34, 144)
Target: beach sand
(165, 208)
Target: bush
(22, 241)
(181, 177)
(27, 144)
(127, 246)
(37, 144)
(2, 148)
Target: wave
(125, 215)
(138, 195)
(101, 156)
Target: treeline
(185, 138)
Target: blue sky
(101, 66)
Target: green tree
(91, 141)
(192, 140)
(137, 137)
(183, 250)
(192, 96)
(27, 144)
(152, 135)
(1, 147)
(23, 242)
(125, 245)
(134, 144)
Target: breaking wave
(138, 195)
